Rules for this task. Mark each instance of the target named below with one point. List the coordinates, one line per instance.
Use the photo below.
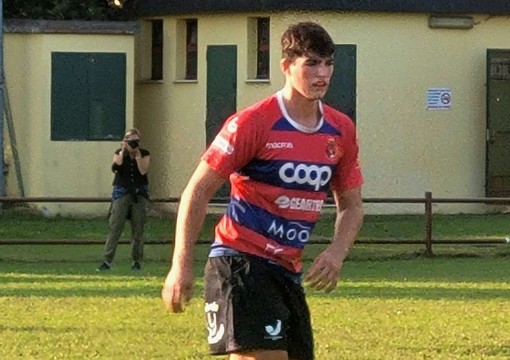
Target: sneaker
(136, 266)
(104, 267)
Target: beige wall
(405, 149)
(57, 168)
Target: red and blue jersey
(280, 173)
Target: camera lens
(133, 143)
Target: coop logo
(291, 231)
(313, 175)
(280, 145)
(215, 332)
(300, 204)
(223, 144)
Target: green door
(221, 87)
(342, 90)
(221, 91)
(498, 123)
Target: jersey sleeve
(238, 142)
(348, 172)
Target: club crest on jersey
(332, 149)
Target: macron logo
(280, 145)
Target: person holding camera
(130, 198)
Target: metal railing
(428, 200)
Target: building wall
(405, 148)
(57, 168)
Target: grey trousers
(120, 210)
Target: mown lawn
(392, 302)
(53, 305)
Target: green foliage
(68, 10)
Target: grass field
(392, 303)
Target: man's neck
(302, 110)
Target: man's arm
(202, 186)
(325, 270)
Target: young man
(281, 155)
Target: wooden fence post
(428, 224)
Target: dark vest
(127, 175)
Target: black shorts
(252, 304)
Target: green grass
(392, 302)
(439, 308)
(26, 225)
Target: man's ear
(285, 64)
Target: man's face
(310, 75)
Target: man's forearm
(347, 226)
(190, 218)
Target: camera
(133, 143)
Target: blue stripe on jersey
(290, 174)
(287, 233)
(283, 125)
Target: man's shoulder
(333, 112)
(265, 108)
(337, 118)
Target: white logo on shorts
(273, 331)
(215, 332)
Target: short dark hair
(304, 37)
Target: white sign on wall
(439, 98)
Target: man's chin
(315, 97)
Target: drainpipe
(2, 167)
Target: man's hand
(177, 289)
(325, 270)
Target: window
(157, 50)
(191, 49)
(88, 96)
(258, 48)
(262, 48)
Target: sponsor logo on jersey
(296, 203)
(290, 231)
(221, 143)
(280, 145)
(313, 175)
(271, 249)
(232, 125)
